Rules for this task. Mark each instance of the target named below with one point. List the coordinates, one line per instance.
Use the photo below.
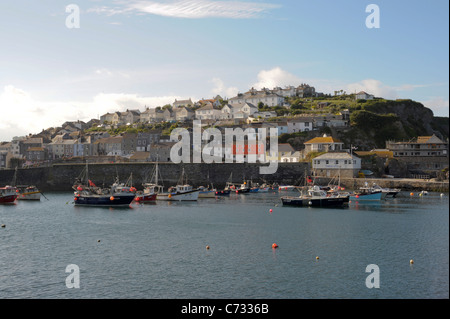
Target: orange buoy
(170, 196)
(357, 196)
(111, 198)
(207, 247)
(274, 246)
(412, 194)
(75, 198)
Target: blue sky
(132, 54)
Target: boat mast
(87, 174)
(156, 174)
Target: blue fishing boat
(366, 193)
(88, 194)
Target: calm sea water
(159, 251)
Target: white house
(291, 157)
(267, 97)
(300, 124)
(208, 112)
(334, 164)
(323, 144)
(364, 96)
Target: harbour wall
(60, 177)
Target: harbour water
(159, 251)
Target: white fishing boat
(25, 192)
(207, 192)
(28, 192)
(386, 192)
(181, 192)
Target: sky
(79, 59)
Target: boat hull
(8, 199)
(187, 196)
(225, 192)
(315, 202)
(362, 197)
(287, 188)
(145, 198)
(207, 195)
(30, 196)
(122, 200)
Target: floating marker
(270, 210)
(317, 257)
(274, 246)
(111, 198)
(411, 261)
(3, 225)
(207, 247)
(412, 194)
(98, 240)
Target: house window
(337, 162)
(327, 162)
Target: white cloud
(222, 90)
(438, 105)
(22, 114)
(276, 77)
(193, 9)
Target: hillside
(374, 121)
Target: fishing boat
(313, 196)
(254, 189)
(366, 193)
(286, 188)
(25, 192)
(228, 187)
(181, 192)
(206, 192)
(224, 192)
(28, 192)
(243, 189)
(151, 189)
(264, 189)
(8, 195)
(88, 194)
(387, 192)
